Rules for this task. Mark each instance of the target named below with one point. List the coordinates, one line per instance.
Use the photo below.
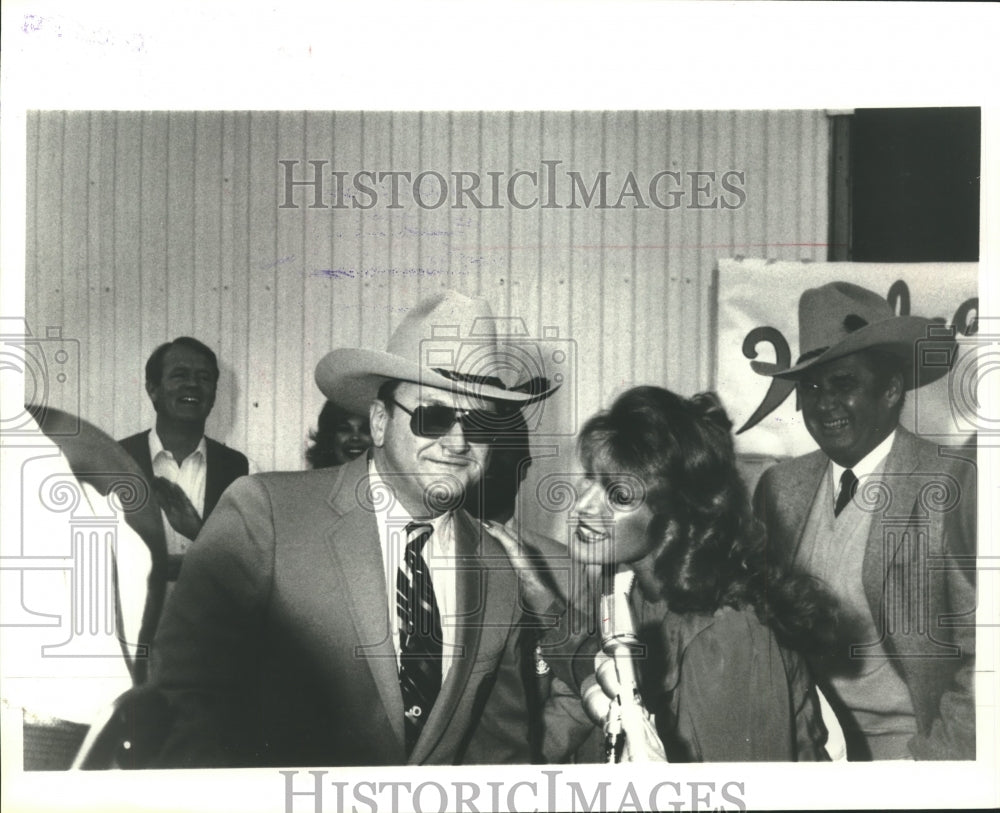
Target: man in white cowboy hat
(355, 615)
(887, 521)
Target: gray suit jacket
(918, 574)
(274, 647)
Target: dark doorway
(905, 185)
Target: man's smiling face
(420, 468)
(186, 390)
(847, 409)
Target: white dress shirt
(190, 475)
(439, 553)
(865, 466)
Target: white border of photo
(512, 56)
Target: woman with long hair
(720, 627)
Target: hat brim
(898, 336)
(351, 377)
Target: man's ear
(150, 389)
(894, 390)
(378, 417)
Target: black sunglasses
(436, 421)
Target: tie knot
(417, 533)
(847, 479)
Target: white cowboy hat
(840, 318)
(448, 341)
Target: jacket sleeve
(501, 735)
(566, 726)
(207, 636)
(952, 732)
(762, 500)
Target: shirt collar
(156, 447)
(441, 524)
(867, 464)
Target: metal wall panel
(143, 226)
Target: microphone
(618, 638)
(629, 734)
(616, 674)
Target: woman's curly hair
(713, 552)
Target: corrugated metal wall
(145, 226)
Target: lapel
(138, 447)
(213, 478)
(217, 476)
(472, 599)
(903, 489)
(799, 499)
(354, 545)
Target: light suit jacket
(918, 573)
(274, 648)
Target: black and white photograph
(371, 443)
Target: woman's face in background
(613, 521)
(351, 438)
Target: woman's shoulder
(735, 625)
(738, 621)
(733, 648)
(708, 641)
(729, 636)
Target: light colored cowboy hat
(448, 341)
(840, 318)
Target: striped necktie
(420, 638)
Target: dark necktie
(420, 639)
(848, 487)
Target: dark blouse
(721, 689)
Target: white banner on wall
(755, 294)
